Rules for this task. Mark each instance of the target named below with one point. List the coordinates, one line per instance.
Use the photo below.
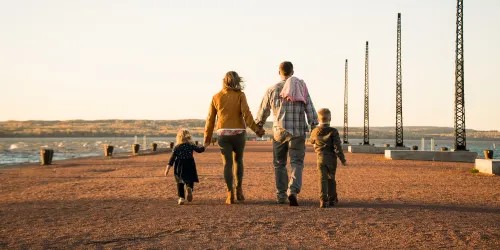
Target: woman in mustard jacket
(229, 116)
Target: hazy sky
(98, 59)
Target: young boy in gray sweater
(326, 141)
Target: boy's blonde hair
(183, 136)
(324, 115)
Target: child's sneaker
(181, 201)
(189, 194)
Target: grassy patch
(474, 170)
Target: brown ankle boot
(230, 198)
(239, 194)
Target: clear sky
(144, 59)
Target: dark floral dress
(183, 162)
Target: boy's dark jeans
(328, 185)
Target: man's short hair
(287, 68)
(324, 115)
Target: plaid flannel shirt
(287, 114)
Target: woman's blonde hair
(232, 81)
(183, 136)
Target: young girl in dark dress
(184, 166)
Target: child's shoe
(189, 194)
(181, 201)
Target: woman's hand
(260, 132)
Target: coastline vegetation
(126, 128)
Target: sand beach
(126, 202)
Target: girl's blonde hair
(183, 136)
(232, 81)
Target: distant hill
(113, 128)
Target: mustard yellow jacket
(230, 107)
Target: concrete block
(488, 166)
(345, 148)
(369, 149)
(448, 156)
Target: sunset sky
(144, 59)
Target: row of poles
(460, 136)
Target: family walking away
(290, 104)
(184, 165)
(293, 111)
(326, 141)
(230, 115)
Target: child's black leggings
(180, 189)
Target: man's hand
(260, 132)
(344, 163)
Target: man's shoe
(281, 200)
(333, 202)
(189, 194)
(323, 204)
(293, 200)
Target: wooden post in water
(135, 148)
(46, 156)
(108, 150)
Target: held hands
(344, 163)
(260, 132)
(167, 169)
(206, 144)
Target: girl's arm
(172, 158)
(170, 162)
(199, 149)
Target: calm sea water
(26, 150)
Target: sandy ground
(125, 202)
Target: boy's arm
(312, 138)
(337, 146)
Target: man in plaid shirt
(289, 134)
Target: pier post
(108, 150)
(135, 148)
(46, 156)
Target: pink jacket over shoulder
(295, 90)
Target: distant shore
(157, 128)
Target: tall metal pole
(399, 94)
(366, 136)
(460, 139)
(346, 129)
